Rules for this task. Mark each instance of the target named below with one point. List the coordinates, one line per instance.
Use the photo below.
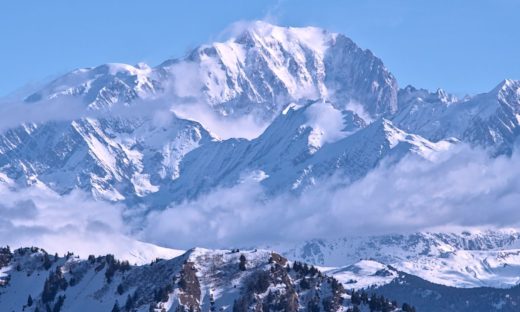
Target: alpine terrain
(290, 109)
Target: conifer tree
(116, 307)
(29, 301)
(242, 264)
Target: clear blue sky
(464, 46)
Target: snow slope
(113, 158)
(465, 259)
(489, 120)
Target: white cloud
(223, 127)
(186, 80)
(359, 110)
(75, 222)
(13, 113)
(326, 122)
(459, 188)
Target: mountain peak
(508, 91)
(511, 82)
(507, 84)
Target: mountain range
(328, 108)
(198, 280)
(287, 108)
(239, 280)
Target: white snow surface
(362, 274)
(465, 259)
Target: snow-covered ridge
(363, 274)
(464, 259)
(198, 280)
(222, 280)
(488, 120)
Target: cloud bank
(75, 222)
(459, 188)
(462, 187)
(15, 113)
(180, 98)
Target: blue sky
(463, 46)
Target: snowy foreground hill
(223, 280)
(290, 109)
(199, 280)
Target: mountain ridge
(198, 280)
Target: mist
(37, 216)
(459, 188)
(456, 189)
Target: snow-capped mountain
(330, 107)
(490, 120)
(321, 97)
(258, 72)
